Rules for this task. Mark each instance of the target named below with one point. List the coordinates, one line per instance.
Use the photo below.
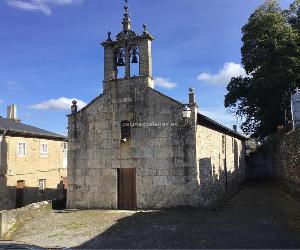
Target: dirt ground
(260, 216)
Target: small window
(42, 185)
(44, 149)
(21, 149)
(223, 144)
(125, 130)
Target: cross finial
(145, 29)
(126, 19)
(108, 36)
(126, 6)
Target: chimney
(12, 113)
(234, 127)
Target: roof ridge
(221, 126)
(19, 127)
(89, 104)
(178, 102)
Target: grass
(10, 233)
(74, 225)
(57, 236)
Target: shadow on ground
(256, 218)
(261, 215)
(17, 245)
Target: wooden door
(20, 194)
(127, 188)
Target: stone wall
(278, 158)
(262, 163)
(30, 168)
(221, 164)
(288, 161)
(12, 218)
(162, 155)
(167, 168)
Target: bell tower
(128, 50)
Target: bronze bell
(134, 59)
(120, 61)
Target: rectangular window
(42, 184)
(125, 130)
(44, 150)
(21, 149)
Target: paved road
(260, 216)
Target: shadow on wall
(236, 159)
(262, 163)
(3, 165)
(5, 191)
(14, 197)
(216, 182)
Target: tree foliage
(293, 15)
(270, 56)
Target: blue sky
(50, 51)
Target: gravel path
(260, 216)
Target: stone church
(133, 147)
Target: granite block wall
(161, 148)
(221, 164)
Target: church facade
(133, 147)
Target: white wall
(295, 106)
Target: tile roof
(13, 127)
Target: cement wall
(11, 218)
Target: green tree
(293, 15)
(270, 56)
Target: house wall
(30, 168)
(216, 163)
(164, 157)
